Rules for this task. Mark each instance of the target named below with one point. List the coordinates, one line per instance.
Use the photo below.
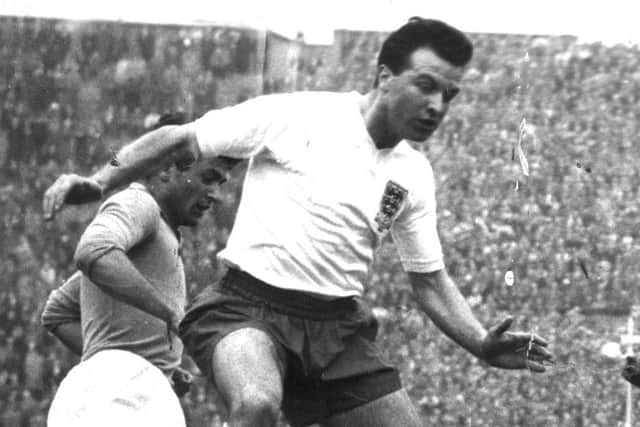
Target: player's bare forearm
(441, 300)
(116, 275)
(148, 154)
(69, 334)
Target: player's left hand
(515, 350)
(181, 381)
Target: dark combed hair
(180, 118)
(447, 42)
(171, 118)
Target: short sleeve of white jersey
(415, 232)
(240, 131)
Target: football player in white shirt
(329, 175)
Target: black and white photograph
(384, 213)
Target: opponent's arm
(61, 314)
(441, 300)
(116, 275)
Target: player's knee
(257, 404)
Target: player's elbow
(89, 255)
(100, 264)
(83, 259)
(430, 280)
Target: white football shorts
(115, 388)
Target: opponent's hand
(70, 189)
(181, 380)
(515, 350)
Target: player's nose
(436, 106)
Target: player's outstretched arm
(146, 155)
(441, 300)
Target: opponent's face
(417, 99)
(192, 193)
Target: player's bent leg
(248, 369)
(394, 409)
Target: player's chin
(194, 216)
(419, 135)
(192, 221)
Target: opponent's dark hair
(171, 118)
(174, 118)
(180, 118)
(449, 43)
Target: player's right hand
(69, 189)
(181, 380)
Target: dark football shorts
(333, 363)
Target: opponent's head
(420, 66)
(186, 195)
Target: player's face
(417, 99)
(193, 193)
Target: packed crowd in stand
(74, 92)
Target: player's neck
(168, 213)
(374, 116)
(164, 202)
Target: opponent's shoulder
(135, 194)
(134, 201)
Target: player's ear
(384, 77)
(165, 175)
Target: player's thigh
(394, 409)
(248, 360)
